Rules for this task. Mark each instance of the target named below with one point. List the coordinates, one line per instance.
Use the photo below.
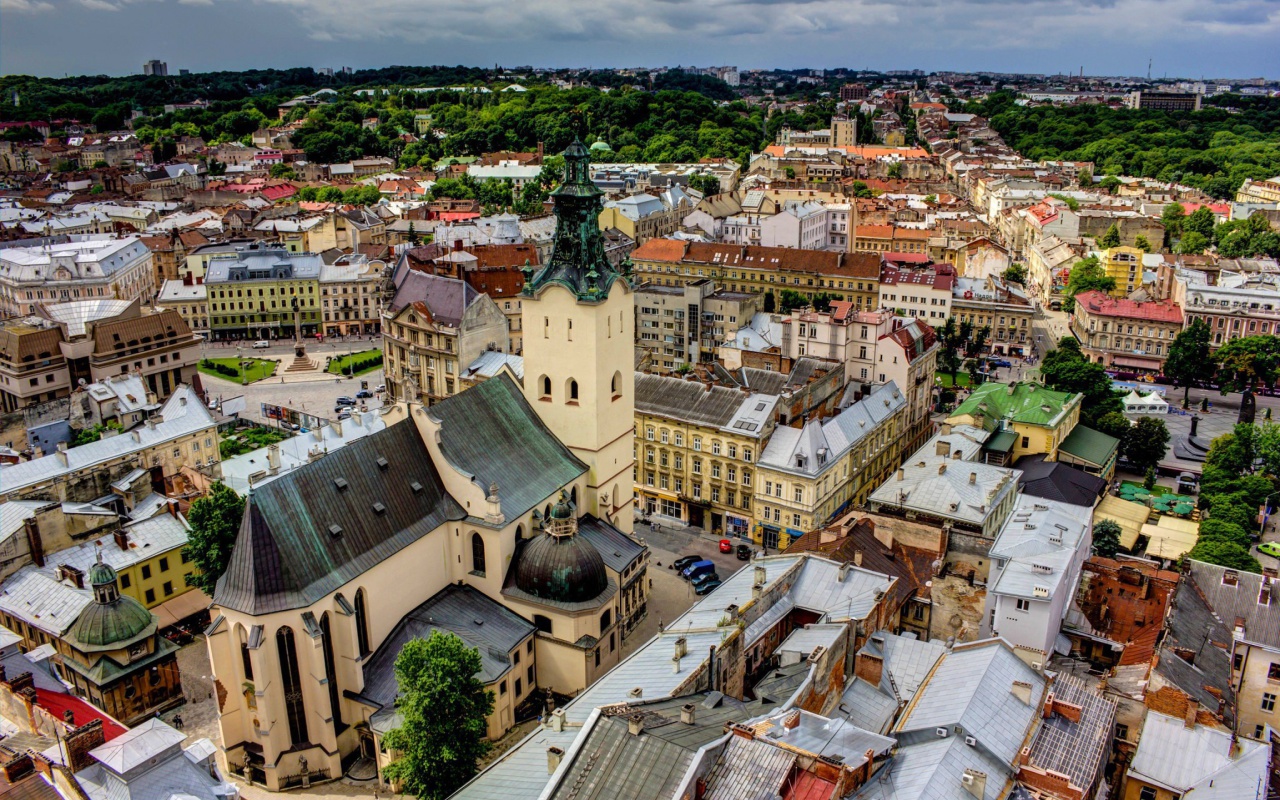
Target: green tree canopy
(1106, 538)
(1111, 238)
(1016, 273)
(1143, 243)
(1200, 221)
(1227, 531)
(1190, 361)
(1146, 443)
(444, 709)
(1224, 554)
(1248, 362)
(1065, 369)
(1193, 243)
(215, 524)
(1086, 275)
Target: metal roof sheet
(1180, 758)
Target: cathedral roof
(578, 261)
(310, 531)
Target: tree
(931, 199)
(1106, 538)
(949, 360)
(1226, 531)
(1192, 243)
(1200, 221)
(1190, 360)
(1149, 479)
(1172, 217)
(1113, 424)
(215, 523)
(1111, 238)
(1065, 369)
(282, 171)
(443, 706)
(1086, 275)
(1016, 273)
(1142, 243)
(707, 184)
(1109, 184)
(1248, 362)
(1224, 554)
(1232, 508)
(1146, 443)
(792, 299)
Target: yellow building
(254, 293)
(1030, 419)
(1124, 266)
(695, 451)
(807, 476)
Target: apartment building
(1126, 334)
(432, 329)
(642, 217)
(889, 239)
(69, 268)
(256, 292)
(350, 295)
(807, 476)
(695, 451)
(762, 270)
(925, 294)
(680, 325)
(189, 299)
(1237, 305)
(998, 305)
(1124, 266)
(32, 367)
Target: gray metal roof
(866, 706)
(1190, 625)
(1076, 749)
(617, 549)
(1239, 601)
(148, 763)
(820, 444)
(703, 404)
(1184, 759)
(490, 628)
(614, 763)
(823, 736)
(447, 298)
(972, 687)
(907, 661)
(749, 769)
(932, 770)
(307, 533)
(1041, 541)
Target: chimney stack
(973, 478)
(687, 713)
(34, 543)
(635, 724)
(122, 539)
(554, 755)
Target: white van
(261, 344)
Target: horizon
(1108, 38)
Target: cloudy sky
(1190, 38)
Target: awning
(1136, 362)
(176, 609)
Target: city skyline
(114, 37)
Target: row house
(88, 267)
(888, 239)
(1238, 305)
(680, 325)
(925, 294)
(1001, 307)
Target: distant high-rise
(155, 67)
(853, 91)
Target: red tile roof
(1104, 305)
(671, 250)
(57, 704)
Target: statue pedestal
(301, 361)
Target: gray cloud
(1189, 37)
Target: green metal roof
(112, 625)
(1002, 442)
(491, 432)
(1088, 445)
(1028, 403)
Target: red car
(726, 546)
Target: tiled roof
(1104, 305)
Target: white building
(513, 171)
(82, 268)
(796, 225)
(1035, 570)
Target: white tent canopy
(1152, 403)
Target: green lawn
(259, 368)
(944, 380)
(342, 364)
(248, 439)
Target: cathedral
(500, 514)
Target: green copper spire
(577, 256)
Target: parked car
(683, 562)
(1270, 548)
(261, 344)
(382, 387)
(708, 587)
(344, 415)
(698, 568)
(340, 410)
(703, 578)
(344, 400)
(726, 546)
(743, 552)
(1003, 363)
(363, 394)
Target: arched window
(546, 387)
(606, 619)
(245, 661)
(519, 532)
(331, 675)
(615, 385)
(477, 554)
(362, 624)
(542, 623)
(571, 392)
(573, 495)
(291, 681)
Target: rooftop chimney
(122, 539)
(554, 754)
(792, 720)
(902, 474)
(635, 724)
(973, 477)
(687, 713)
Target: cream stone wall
(593, 344)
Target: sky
(1185, 38)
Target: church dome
(601, 146)
(113, 624)
(563, 509)
(564, 569)
(101, 574)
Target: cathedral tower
(579, 344)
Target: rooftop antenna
(1149, 70)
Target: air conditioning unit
(941, 732)
(966, 779)
(972, 742)
(1036, 665)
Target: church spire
(577, 260)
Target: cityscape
(502, 432)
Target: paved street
(1048, 327)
